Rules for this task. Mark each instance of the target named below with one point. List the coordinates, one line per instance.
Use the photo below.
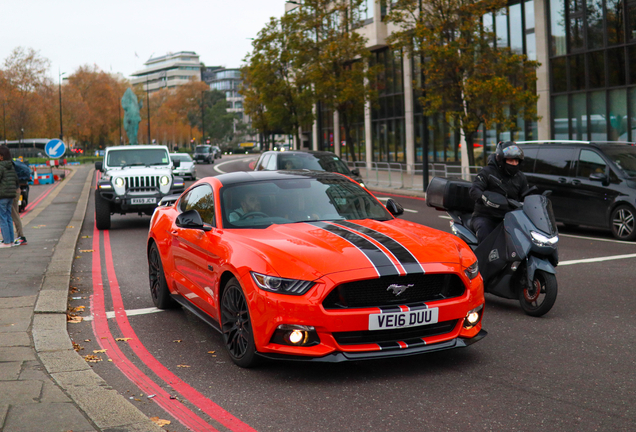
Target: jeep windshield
(624, 157)
(137, 157)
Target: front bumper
(344, 334)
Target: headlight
(280, 285)
(472, 270)
(543, 240)
(120, 182)
(178, 181)
(164, 181)
(105, 186)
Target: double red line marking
(106, 340)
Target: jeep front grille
(142, 183)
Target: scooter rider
(502, 175)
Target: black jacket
(8, 179)
(493, 178)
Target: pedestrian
(8, 181)
(24, 177)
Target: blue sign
(55, 148)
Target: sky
(120, 35)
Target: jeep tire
(102, 212)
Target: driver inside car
(250, 203)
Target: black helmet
(508, 150)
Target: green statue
(131, 115)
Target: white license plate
(143, 201)
(392, 320)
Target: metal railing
(395, 175)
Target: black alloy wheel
(158, 286)
(623, 223)
(537, 300)
(237, 327)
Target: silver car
(186, 169)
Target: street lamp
(148, 108)
(60, 90)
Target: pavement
(45, 385)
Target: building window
(557, 27)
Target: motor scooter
(518, 259)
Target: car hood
(185, 165)
(315, 249)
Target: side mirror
(355, 172)
(191, 219)
(176, 163)
(99, 165)
(598, 177)
(394, 207)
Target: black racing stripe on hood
(378, 258)
(401, 253)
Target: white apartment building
(168, 71)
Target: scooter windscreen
(538, 208)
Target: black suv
(309, 160)
(203, 153)
(592, 183)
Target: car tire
(623, 223)
(537, 300)
(236, 326)
(102, 212)
(158, 286)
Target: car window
(554, 161)
(201, 199)
(529, 159)
(262, 163)
(590, 162)
(261, 204)
(624, 156)
(271, 163)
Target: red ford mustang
(311, 266)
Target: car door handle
(562, 180)
(576, 182)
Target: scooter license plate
(143, 201)
(384, 321)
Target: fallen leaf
(92, 358)
(70, 226)
(72, 289)
(77, 257)
(87, 340)
(99, 351)
(177, 341)
(86, 250)
(110, 359)
(183, 366)
(86, 237)
(211, 352)
(77, 347)
(79, 308)
(73, 319)
(122, 339)
(104, 337)
(160, 422)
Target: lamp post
(60, 92)
(148, 108)
(203, 116)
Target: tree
(465, 75)
(276, 90)
(340, 67)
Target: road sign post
(55, 149)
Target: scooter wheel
(538, 299)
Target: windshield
(137, 157)
(202, 149)
(183, 157)
(295, 161)
(624, 157)
(261, 204)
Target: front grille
(376, 292)
(142, 183)
(394, 335)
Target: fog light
(297, 335)
(473, 317)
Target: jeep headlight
(119, 182)
(164, 181)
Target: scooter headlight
(543, 240)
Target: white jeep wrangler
(135, 178)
